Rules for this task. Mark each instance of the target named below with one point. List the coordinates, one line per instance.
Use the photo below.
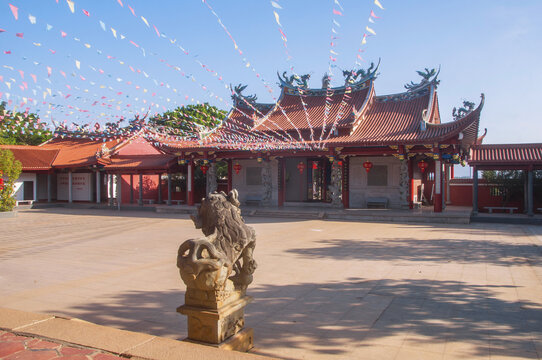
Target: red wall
(461, 195)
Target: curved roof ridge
(465, 118)
(360, 115)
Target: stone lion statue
(223, 259)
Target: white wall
(360, 191)
(82, 186)
(255, 191)
(19, 190)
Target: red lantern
(423, 165)
(315, 165)
(237, 167)
(204, 168)
(340, 162)
(301, 167)
(367, 165)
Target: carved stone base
(214, 324)
(243, 341)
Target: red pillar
(230, 175)
(345, 183)
(281, 181)
(411, 183)
(190, 184)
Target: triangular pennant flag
(32, 19)
(114, 32)
(15, 11)
(157, 32)
(71, 5)
(102, 25)
(275, 5)
(377, 3)
(370, 30)
(86, 12)
(48, 27)
(145, 21)
(277, 18)
(78, 64)
(374, 15)
(120, 2)
(132, 10)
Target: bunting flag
(14, 11)
(85, 12)
(71, 4)
(377, 3)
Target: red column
(411, 183)
(281, 181)
(190, 184)
(230, 175)
(345, 183)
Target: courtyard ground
(323, 289)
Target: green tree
(10, 169)
(190, 119)
(21, 128)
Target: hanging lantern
(237, 167)
(368, 166)
(315, 165)
(340, 162)
(204, 168)
(301, 167)
(423, 165)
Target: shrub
(10, 169)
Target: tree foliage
(10, 170)
(190, 119)
(21, 128)
(511, 183)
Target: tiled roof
(506, 154)
(32, 158)
(141, 162)
(340, 109)
(77, 152)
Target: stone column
(70, 187)
(335, 186)
(411, 183)
(119, 190)
(98, 187)
(530, 193)
(437, 199)
(169, 195)
(404, 185)
(230, 175)
(49, 188)
(345, 182)
(281, 181)
(267, 183)
(211, 183)
(190, 184)
(111, 186)
(140, 201)
(474, 190)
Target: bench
(377, 202)
(504, 208)
(253, 200)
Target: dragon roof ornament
(239, 98)
(466, 109)
(429, 77)
(351, 76)
(301, 82)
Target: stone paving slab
(323, 289)
(25, 335)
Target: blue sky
(482, 46)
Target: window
(254, 175)
(378, 176)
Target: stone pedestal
(217, 318)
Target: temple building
(343, 146)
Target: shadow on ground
(430, 250)
(333, 318)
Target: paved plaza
(323, 289)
